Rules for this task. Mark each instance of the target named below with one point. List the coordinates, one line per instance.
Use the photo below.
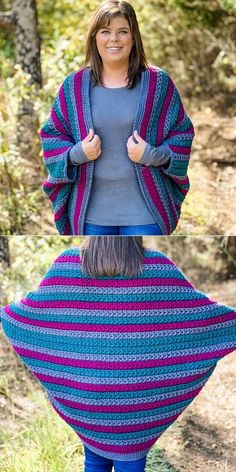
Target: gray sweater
(116, 199)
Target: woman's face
(116, 35)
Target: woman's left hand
(136, 150)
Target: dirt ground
(204, 437)
(212, 173)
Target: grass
(47, 444)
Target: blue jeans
(96, 463)
(140, 230)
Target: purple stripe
(64, 107)
(117, 388)
(115, 282)
(158, 304)
(118, 429)
(120, 449)
(149, 102)
(57, 122)
(161, 122)
(181, 180)
(56, 152)
(171, 204)
(60, 212)
(152, 188)
(78, 77)
(79, 197)
(106, 365)
(180, 149)
(181, 113)
(54, 195)
(146, 260)
(130, 407)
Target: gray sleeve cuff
(77, 155)
(155, 156)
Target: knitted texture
(160, 119)
(120, 357)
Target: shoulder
(163, 74)
(76, 75)
(71, 254)
(154, 257)
(156, 70)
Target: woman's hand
(136, 150)
(91, 145)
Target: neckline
(113, 88)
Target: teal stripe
(96, 416)
(116, 297)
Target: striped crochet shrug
(160, 119)
(122, 357)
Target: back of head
(112, 255)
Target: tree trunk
(4, 252)
(229, 247)
(22, 19)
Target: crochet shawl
(160, 118)
(122, 357)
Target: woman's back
(120, 357)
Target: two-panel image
(117, 236)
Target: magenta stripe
(151, 186)
(184, 191)
(116, 388)
(48, 184)
(146, 260)
(57, 151)
(106, 365)
(118, 429)
(162, 118)
(157, 304)
(171, 205)
(58, 124)
(181, 113)
(182, 180)
(120, 449)
(115, 282)
(45, 135)
(64, 106)
(149, 102)
(180, 149)
(60, 212)
(144, 406)
(79, 197)
(53, 196)
(78, 78)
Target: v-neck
(145, 77)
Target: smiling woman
(118, 140)
(115, 42)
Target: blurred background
(34, 438)
(43, 41)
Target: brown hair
(101, 18)
(112, 255)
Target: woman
(122, 343)
(117, 142)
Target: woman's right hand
(91, 145)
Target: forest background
(42, 41)
(34, 438)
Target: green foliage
(48, 444)
(31, 257)
(16, 202)
(193, 40)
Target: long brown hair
(101, 18)
(112, 255)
